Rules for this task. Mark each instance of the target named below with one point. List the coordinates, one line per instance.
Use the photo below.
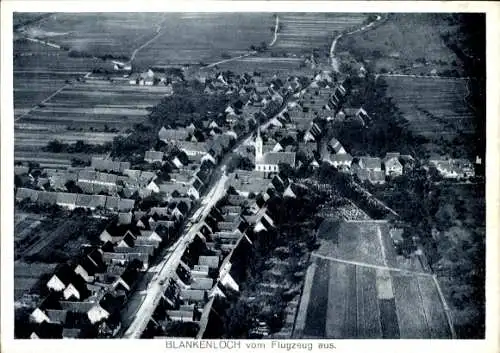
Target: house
(26, 194)
(172, 189)
(370, 163)
(376, 176)
(392, 165)
(195, 188)
(153, 187)
(192, 148)
(91, 201)
(210, 261)
(180, 210)
(172, 135)
(313, 133)
(104, 164)
(358, 114)
(335, 147)
(153, 156)
(67, 200)
(114, 233)
(453, 168)
(341, 161)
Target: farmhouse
(392, 165)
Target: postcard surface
(253, 176)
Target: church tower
(258, 146)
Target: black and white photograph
(264, 175)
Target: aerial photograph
(249, 175)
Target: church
(270, 161)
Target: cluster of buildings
(213, 264)
(83, 298)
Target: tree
(56, 146)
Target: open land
(97, 33)
(435, 108)
(204, 37)
(361, 291)
(303, 32)
(411, 44)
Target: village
(185, 215)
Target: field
(361, 242)
(97, 33)
(405, 43)
(300, 33)
(352, 301)
(205, 37)
(435, 108)
(95, 112)
(40, 70)
(267, 65)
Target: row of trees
(80, 146)
(292, 241)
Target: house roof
(108, 164)
(279, 157)
(91, 201)
(46, 197)
(210, 261)
(172, 134)
(153, 155)
(56, 316)
(24, 193)
(202, 283)
(169, 188)
(370, 162)
(346, 157)
(126, 204)
(124, 217)
(192, 146)
(376, 175)
(335, 144)
(76, 306)
(66, 198)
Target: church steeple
(258, 145)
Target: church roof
(278, 157)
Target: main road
(140, 313)
(168, 265)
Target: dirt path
(230, 59)
(32, 109)
(363, 264)
(253, 52)
(335, 64)
(157, 34)
(276, 26)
